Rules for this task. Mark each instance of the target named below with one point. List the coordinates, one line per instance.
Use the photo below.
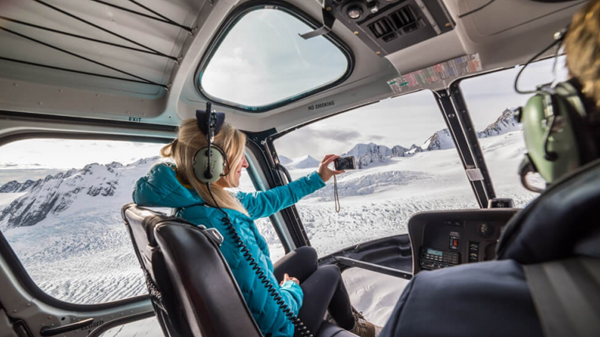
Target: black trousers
(322, 286)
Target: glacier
(67, 231)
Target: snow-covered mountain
(399, 151)
(17, 187)
(301, 162)
(283, 160)
(56, 193)
(441, 140)
(366, 154)
(504, 124)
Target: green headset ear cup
(577, 107)
(217, 164)
(562, 142)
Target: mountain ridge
(56, 193)
(367, 154)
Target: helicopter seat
(192, 289)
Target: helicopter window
(406, 159)
(60, 202)
(264, 225)
(261, 61)
(492, 101)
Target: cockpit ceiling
(162, 42)
(146, 49)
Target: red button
(455, 244)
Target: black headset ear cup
(209, 171)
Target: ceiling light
(354, 12)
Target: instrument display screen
(434, 252)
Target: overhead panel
(388, 26)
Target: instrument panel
(442, 239)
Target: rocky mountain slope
(56, 193)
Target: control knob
(486, 230)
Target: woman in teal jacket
(310, 290)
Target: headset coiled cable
(300, 326)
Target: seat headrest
(198, 292)
(143, 222)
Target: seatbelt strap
(566, 294)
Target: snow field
(83, 254)
(374, 294)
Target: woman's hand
(287, 277)
(325, 172)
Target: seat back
(192, 289)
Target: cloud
(338, 135)
(377, 137)
(317, 142)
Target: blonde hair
(582, 45)
(188, 141)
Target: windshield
(407, 163)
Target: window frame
(263, 177)
(230, 22)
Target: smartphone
(344, 163)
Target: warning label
(444, 71)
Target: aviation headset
(210, 162)
(560, 128)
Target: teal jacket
(161, 188)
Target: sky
(36, 158)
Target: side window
(407, 162)
(60, 203)
(492, 102)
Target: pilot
(520, 294)
(308, 291)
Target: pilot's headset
(560, 129)
(210, 162)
